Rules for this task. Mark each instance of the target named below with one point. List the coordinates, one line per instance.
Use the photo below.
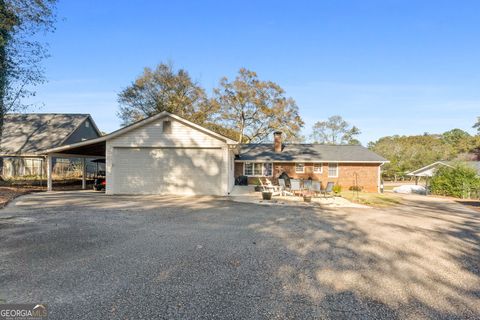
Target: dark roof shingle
(29, 133)
(308, 152)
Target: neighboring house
(345, 165)
(429, 171)
(26, 136)
(166, 154)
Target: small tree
(458, 181)
(335, 131)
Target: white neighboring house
(163, 154)
(429, 171)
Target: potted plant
(267, 195)
(307, 196)
(258, 188)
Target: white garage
(163, 154)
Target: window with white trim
(299, 167)
(32, 167)
(258, 169)
(317, 167)
(333, 170)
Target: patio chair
(307, 184)
(295, 186)
(317, 187)
(283, 188)
(269, 187)
(328, 189)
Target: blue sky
(387, 66)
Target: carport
(91, 149)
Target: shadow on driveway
(95, 256)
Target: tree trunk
(3, 69)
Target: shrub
(337, 188)
(356, 188)
(459, 181)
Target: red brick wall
(367, 174)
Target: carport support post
(49, 173)
(84, 174)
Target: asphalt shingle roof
(308, 152)
(29, 133)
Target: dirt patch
(7, 194)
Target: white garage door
(167, 171)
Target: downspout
(380, 184)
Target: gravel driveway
(91, 256)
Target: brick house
(345, 165)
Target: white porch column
(49, 173)
(84, 174)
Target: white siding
(151, 135)
(185, 161)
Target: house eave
(312, 161)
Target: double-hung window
(333, 170)
(317, 168)
(264, 169)
(299, 167)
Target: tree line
(408, 153)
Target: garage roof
(96, 147)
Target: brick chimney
(277, 141)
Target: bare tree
(164, 89)
(254, 108)
(335, 131)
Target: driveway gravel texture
(91, 256)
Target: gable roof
(426, 171)
(136, 125)
(308, 153)
(31, 133)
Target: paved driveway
(91, 256)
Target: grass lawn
(372, 199)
